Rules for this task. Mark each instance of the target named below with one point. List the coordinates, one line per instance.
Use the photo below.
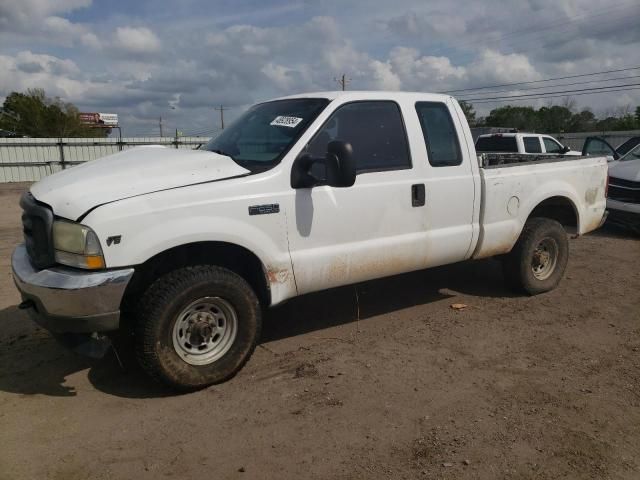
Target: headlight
(76, 245)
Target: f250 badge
(264, 209)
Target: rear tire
(539, 258)
(197, 326)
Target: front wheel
(197, 326)
(539, 258)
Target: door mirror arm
(301, 174)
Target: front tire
(539, 258)
(197, 326)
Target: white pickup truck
(183, 248)
(525, 143)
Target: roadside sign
(100, 120)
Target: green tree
(35, 115)
(638, 116)
(522, 118)
(626, 122)
(554, 119)
(469, 112)
(585, 121)
(606, 124)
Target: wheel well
(237, 259)
(560, 209)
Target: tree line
(554, 118)
(33, 114)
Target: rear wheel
(539, 258)
(197, 326)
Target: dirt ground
(510, 387)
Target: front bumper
(624, 214)
(66, 300)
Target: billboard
(100, 120)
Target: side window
(439, 133)
(375, 131)
(532, 145)
(551, 146)
(596, 146)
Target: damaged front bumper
(70, 301)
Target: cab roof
(371, 95)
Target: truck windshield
(496, 143)
(264, 134)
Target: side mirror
(565, 149)
(341, 167)
(337, 168)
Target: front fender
(145, 232)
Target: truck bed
(513, 188)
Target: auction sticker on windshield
(284, 121)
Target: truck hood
(625, 170)
(137, 171)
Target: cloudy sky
(178, 59)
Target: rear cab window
(532, 144)
(497, 143)
(440, 134)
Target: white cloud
(136, 40)
(494, 67)
(280, 76)
(29, 18)
(114, 61)
(29, 70)
(383, 76)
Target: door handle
(418, 195)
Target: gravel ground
(391, 383)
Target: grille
(37, 224)
(624, 190)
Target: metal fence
(30, 159)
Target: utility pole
(343, 81)
(221, 109)
(161, 126)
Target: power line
(543, 96)
(553, 86)
(550, 93)
(608, 26)
(522, 33)
(566, 28)
(540, 81)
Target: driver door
(596, 146)
(375, 228)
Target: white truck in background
(523, 143)
(184, 248)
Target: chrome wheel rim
(205, 330)
(545, 257)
